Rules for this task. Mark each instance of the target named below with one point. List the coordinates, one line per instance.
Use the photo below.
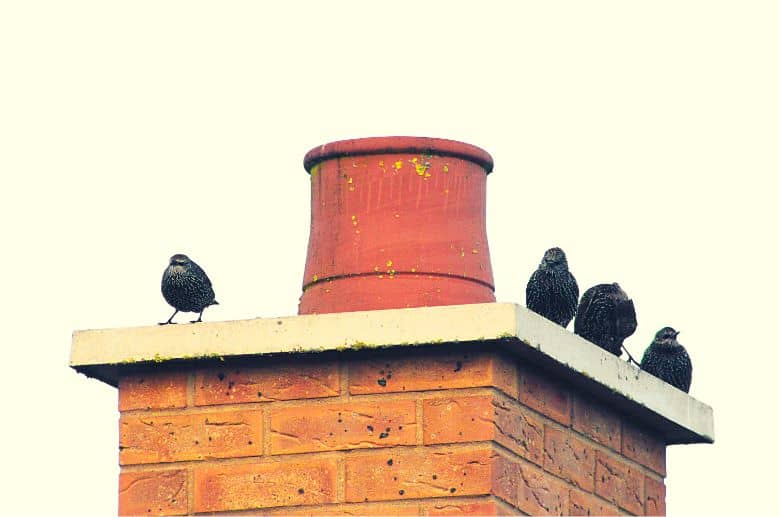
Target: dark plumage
(186, 287)
(667, 359)
(552, 290)
(605, 317)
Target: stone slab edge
(678, 416)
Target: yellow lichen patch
(445, 169)
(389, 263)
(354, 220)
(414, 270)
(421, 167)
(315, 170)
(398, 165)
(462, 253)
(315, 278)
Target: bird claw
(167, 323)
(196, 321)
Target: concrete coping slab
(675, 415)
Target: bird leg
(630, 358)
(199, 317)
(170, 320)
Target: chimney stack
(368, 402)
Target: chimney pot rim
(398, 144)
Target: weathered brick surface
(581, 503)
(644, 448)
(488, 506)
(302, 380)
(152, 390)
(534, 491)
(546, 461)
(223, 487)
(505, 478)
(619, 482)
(352, 425)
(655, 496)
(544, 395)
(392, 508)
(458, 419)
(408, 474)
(432, 371)
(519, 430)
(154, 438)
(596, 421)
(541, 493)
(153, 492)
(483, 417)
(567, 456)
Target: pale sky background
(640, 137)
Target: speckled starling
(667, 359)
(552, 290)
(605, 316)
(186, 287)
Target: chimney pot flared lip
(398, 144)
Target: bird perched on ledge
(605, 317)
(552, 291)
(186, 287)
(668, 360)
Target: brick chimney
(464, 408)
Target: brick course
(445, 433)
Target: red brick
(458, 419)
(519, 430)
(153, 391)
(408, 474)
(655, 495)
(392, 508)
(581, 503)
(644, 448)
(488, 506)
(432, 371)
(226, 487)
(483, 417)
(569, 457)
(505, 478)
(596, 421)
(540, 493)
(353, 425)
(545, 395)
(266, 383)
(153, 492)
(155, 438)
(620, 483)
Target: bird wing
(625, 317)
(201, 274)
(583, 310)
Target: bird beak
(677, 333)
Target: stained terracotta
(396, 222)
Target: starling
(667, 359)
(552, 290)
(186, 287)
(605, 317)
